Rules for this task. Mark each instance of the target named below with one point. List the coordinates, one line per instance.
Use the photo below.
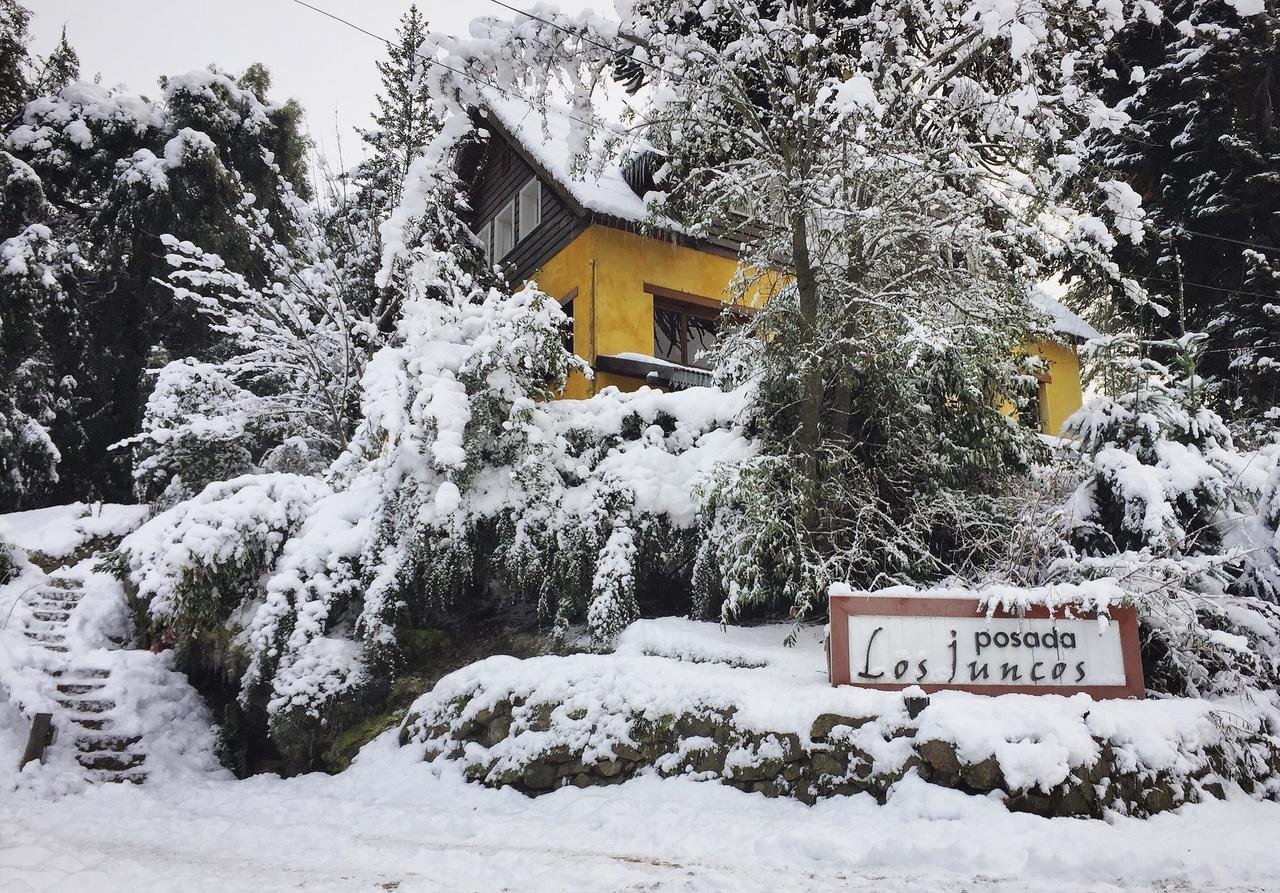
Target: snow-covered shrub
(200, 561)
(9, 561)
(1169, 507)
(196, 429)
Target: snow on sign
(951, 643)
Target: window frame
(524, 229)
(684, 310)
(510, 206)
(485, 235)
(687, 304)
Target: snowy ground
(390, 820)
(394, 822)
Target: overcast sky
(327, 66)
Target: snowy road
(390, 823)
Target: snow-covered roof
(1064, 321)
(556, 142)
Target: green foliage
(405, 120)
(1203, 149)
(100, 177)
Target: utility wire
(483, 82)
(1258, 245)
(1230, 291)
(591, 40)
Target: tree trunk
(810, 436)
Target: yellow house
(643, 302)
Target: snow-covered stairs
(84, 713)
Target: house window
(504, 231)
(530, 207)
(567, 307)
(682, 333)
(486, 240)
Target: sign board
(893, 642)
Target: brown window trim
(573, 293)
(689, 299)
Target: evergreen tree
(856, 146)
(116, 171)
(1203, 150)
(15, 62)
(59, 68)
(405, 121)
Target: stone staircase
(84, 714)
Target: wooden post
(40, 738)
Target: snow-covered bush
(9, 561)
(1169, 507)
(195, 430)
(200, 561)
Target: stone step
(86, 705)
(78, 674)
(82, 673)
(51, 616)
(58, 649)
(78, 688)
(107, 776)
(53, 607)
(115, 762)
(107, 742)
(53, 638)
(65, 583)
(93, 724)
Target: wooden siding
(502, 172)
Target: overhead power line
(479, 81)
(1258, 245)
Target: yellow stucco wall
(1061, 395)
(610, 267)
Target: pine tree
(405, 121)
(15, 62)
(1203, 150)
(59, 68)
(117, 171)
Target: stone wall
(514, 744)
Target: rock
(829, 763)
(695, 725)
(1215, 790)
(497, 730)
(940, 756)
(540, 717)
(609, 768)
(983, 776)
(710, 759)
(539, 776)
(769, 788)
(406, 733)
(826, 722)
(626, 751)
(1032, 801)
(1158, 798)
(915, 705)
(791, 749)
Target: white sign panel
(977, 651)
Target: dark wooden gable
(496, 171)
